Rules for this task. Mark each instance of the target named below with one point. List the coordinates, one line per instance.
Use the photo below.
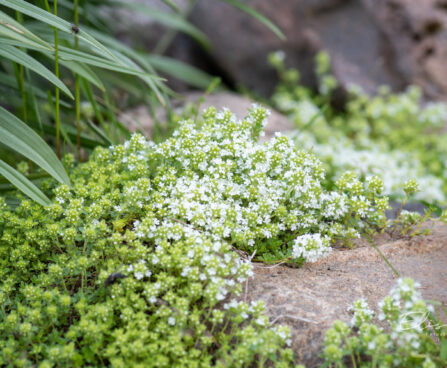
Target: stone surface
(310, 299)
(140, 119)
(372, 42)
(344, 28)
(417, 31)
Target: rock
(344, 28)
(371, 42)
(310, 299)
(143, 32)
(140, 119)
(417, 32)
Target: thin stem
(77, 86)
(21, 78)
(373, 244)
(354, 365)
(56, 69)
(34, 101)
(422, 221)
(396, 221)
(18, 68)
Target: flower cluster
(390, 135)
(311, 247)
(408, 340)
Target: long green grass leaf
(16, 135)
(181, 71)
(99, 132)
(172, 20)
(18, 56)
(83, 57)
(9, 81)
(250, 11)
(84, 71)
(10, 28)
(156, 86)
(23, 184)
(86, 142)
(55, 21)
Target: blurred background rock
(371, 42)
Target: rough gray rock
(345, 28)
(310, 299)
(371, 42)
(417, 32)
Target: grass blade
(18, 56)
(184, 72)
(55, 21)
(23, 184)
(172, 20)
(10, 28)
(84, 71)
(129, 52)
(74, 55)
(250, 11)
(19, 137)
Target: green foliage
(394, 136)
(165, 218)
(413, 335)
(133, 210)
(18, 136)
(38, 36)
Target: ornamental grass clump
(133, 264)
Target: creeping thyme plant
(133, 264)
(410, 336)
(391, 135)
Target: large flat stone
(310, 299)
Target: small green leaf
(23, 184)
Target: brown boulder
(310, 299)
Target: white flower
(311, 247)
